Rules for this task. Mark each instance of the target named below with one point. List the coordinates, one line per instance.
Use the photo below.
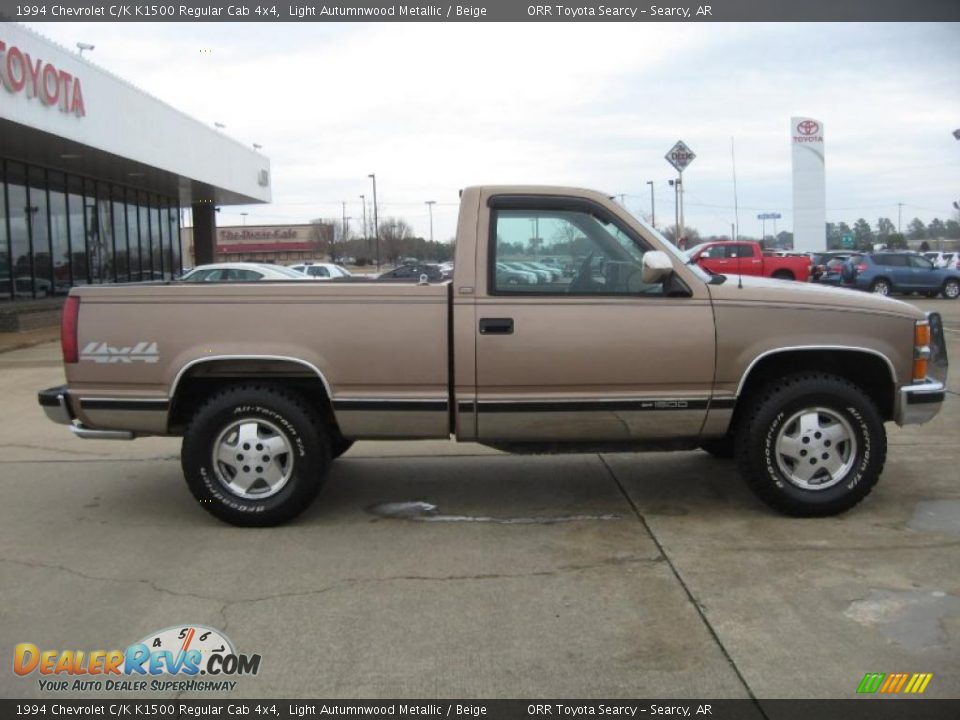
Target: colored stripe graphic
(894, 683)
(871, 683)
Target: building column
(204, 233)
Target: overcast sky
(433, 107)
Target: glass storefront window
(6, 276)
(58, 230)
(17, 209)
(146, 244)
(78, 230)
(59, 234)
(119, 216)
(156, 241)
(173, 223)
(104, 234)
(38, 226)
(133, 238)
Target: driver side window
(565, 252)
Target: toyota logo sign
(808, 127)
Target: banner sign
(483, 11)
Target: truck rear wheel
(255, 455)
(811, 445)
(783, 275)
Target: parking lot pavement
(572, 576)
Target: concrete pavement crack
(226, 604)
(686, 588)
(70, 571)
(850, 548)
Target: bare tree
(396, 239)
(323, 237)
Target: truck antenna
(736, 212)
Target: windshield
(673, 249)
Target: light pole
(243, 221)
(681, 241)
(675, 184)
(363, 201)
(653, 207)
(81, 46)
(376, 223)
(430, 204)
(346, 229)
(899, 208)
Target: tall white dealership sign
(809, 185)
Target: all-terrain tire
(773, 425)
(255, 454)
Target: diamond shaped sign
(680, 156)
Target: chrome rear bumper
(56, 406)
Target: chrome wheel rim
(951, 290)
(253, 458)
(881, 288)
(816, 448)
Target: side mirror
(656, 266)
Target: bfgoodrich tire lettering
(762, 425)
(279, 410)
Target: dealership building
(95, 173)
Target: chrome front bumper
(921, 402)
(56, 405)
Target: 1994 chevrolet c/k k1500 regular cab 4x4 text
(268, 382)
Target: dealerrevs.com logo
(177, 659)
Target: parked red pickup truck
(729, 257)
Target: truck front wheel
(255, 455)
(812, 444)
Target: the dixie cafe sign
(21, 73)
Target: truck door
(594, 355)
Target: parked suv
(887, 272)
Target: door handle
(496, 326)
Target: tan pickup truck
(569, 326)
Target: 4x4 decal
(101, 352)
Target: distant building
(280, 244)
